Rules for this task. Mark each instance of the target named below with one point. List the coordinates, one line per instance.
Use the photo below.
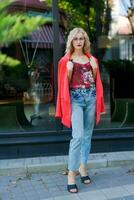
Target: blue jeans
(83, 103)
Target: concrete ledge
(59, 163)
(38, 168)
(99, 163)
(120, 162)
(13, 171)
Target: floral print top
(82, 76)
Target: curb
(59, 163)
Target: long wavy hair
(71, 36)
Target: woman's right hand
(70, 65)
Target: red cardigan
(63, 107)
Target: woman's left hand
(93, 63)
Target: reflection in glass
(38, 99)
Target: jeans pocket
(93, 92)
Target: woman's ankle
(83, 170)
(72, 173)
(71, 177)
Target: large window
(117, 66)
(28, 92)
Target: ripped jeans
(83, 102)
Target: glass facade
(27, 93)
(118, 67)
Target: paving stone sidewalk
(42, 178)
(116, 183)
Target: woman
(79, 101)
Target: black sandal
(72, 186)
(84, 179)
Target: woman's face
(78, 41)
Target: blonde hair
(71, 36)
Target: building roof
(30, 4)
(43, 38)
